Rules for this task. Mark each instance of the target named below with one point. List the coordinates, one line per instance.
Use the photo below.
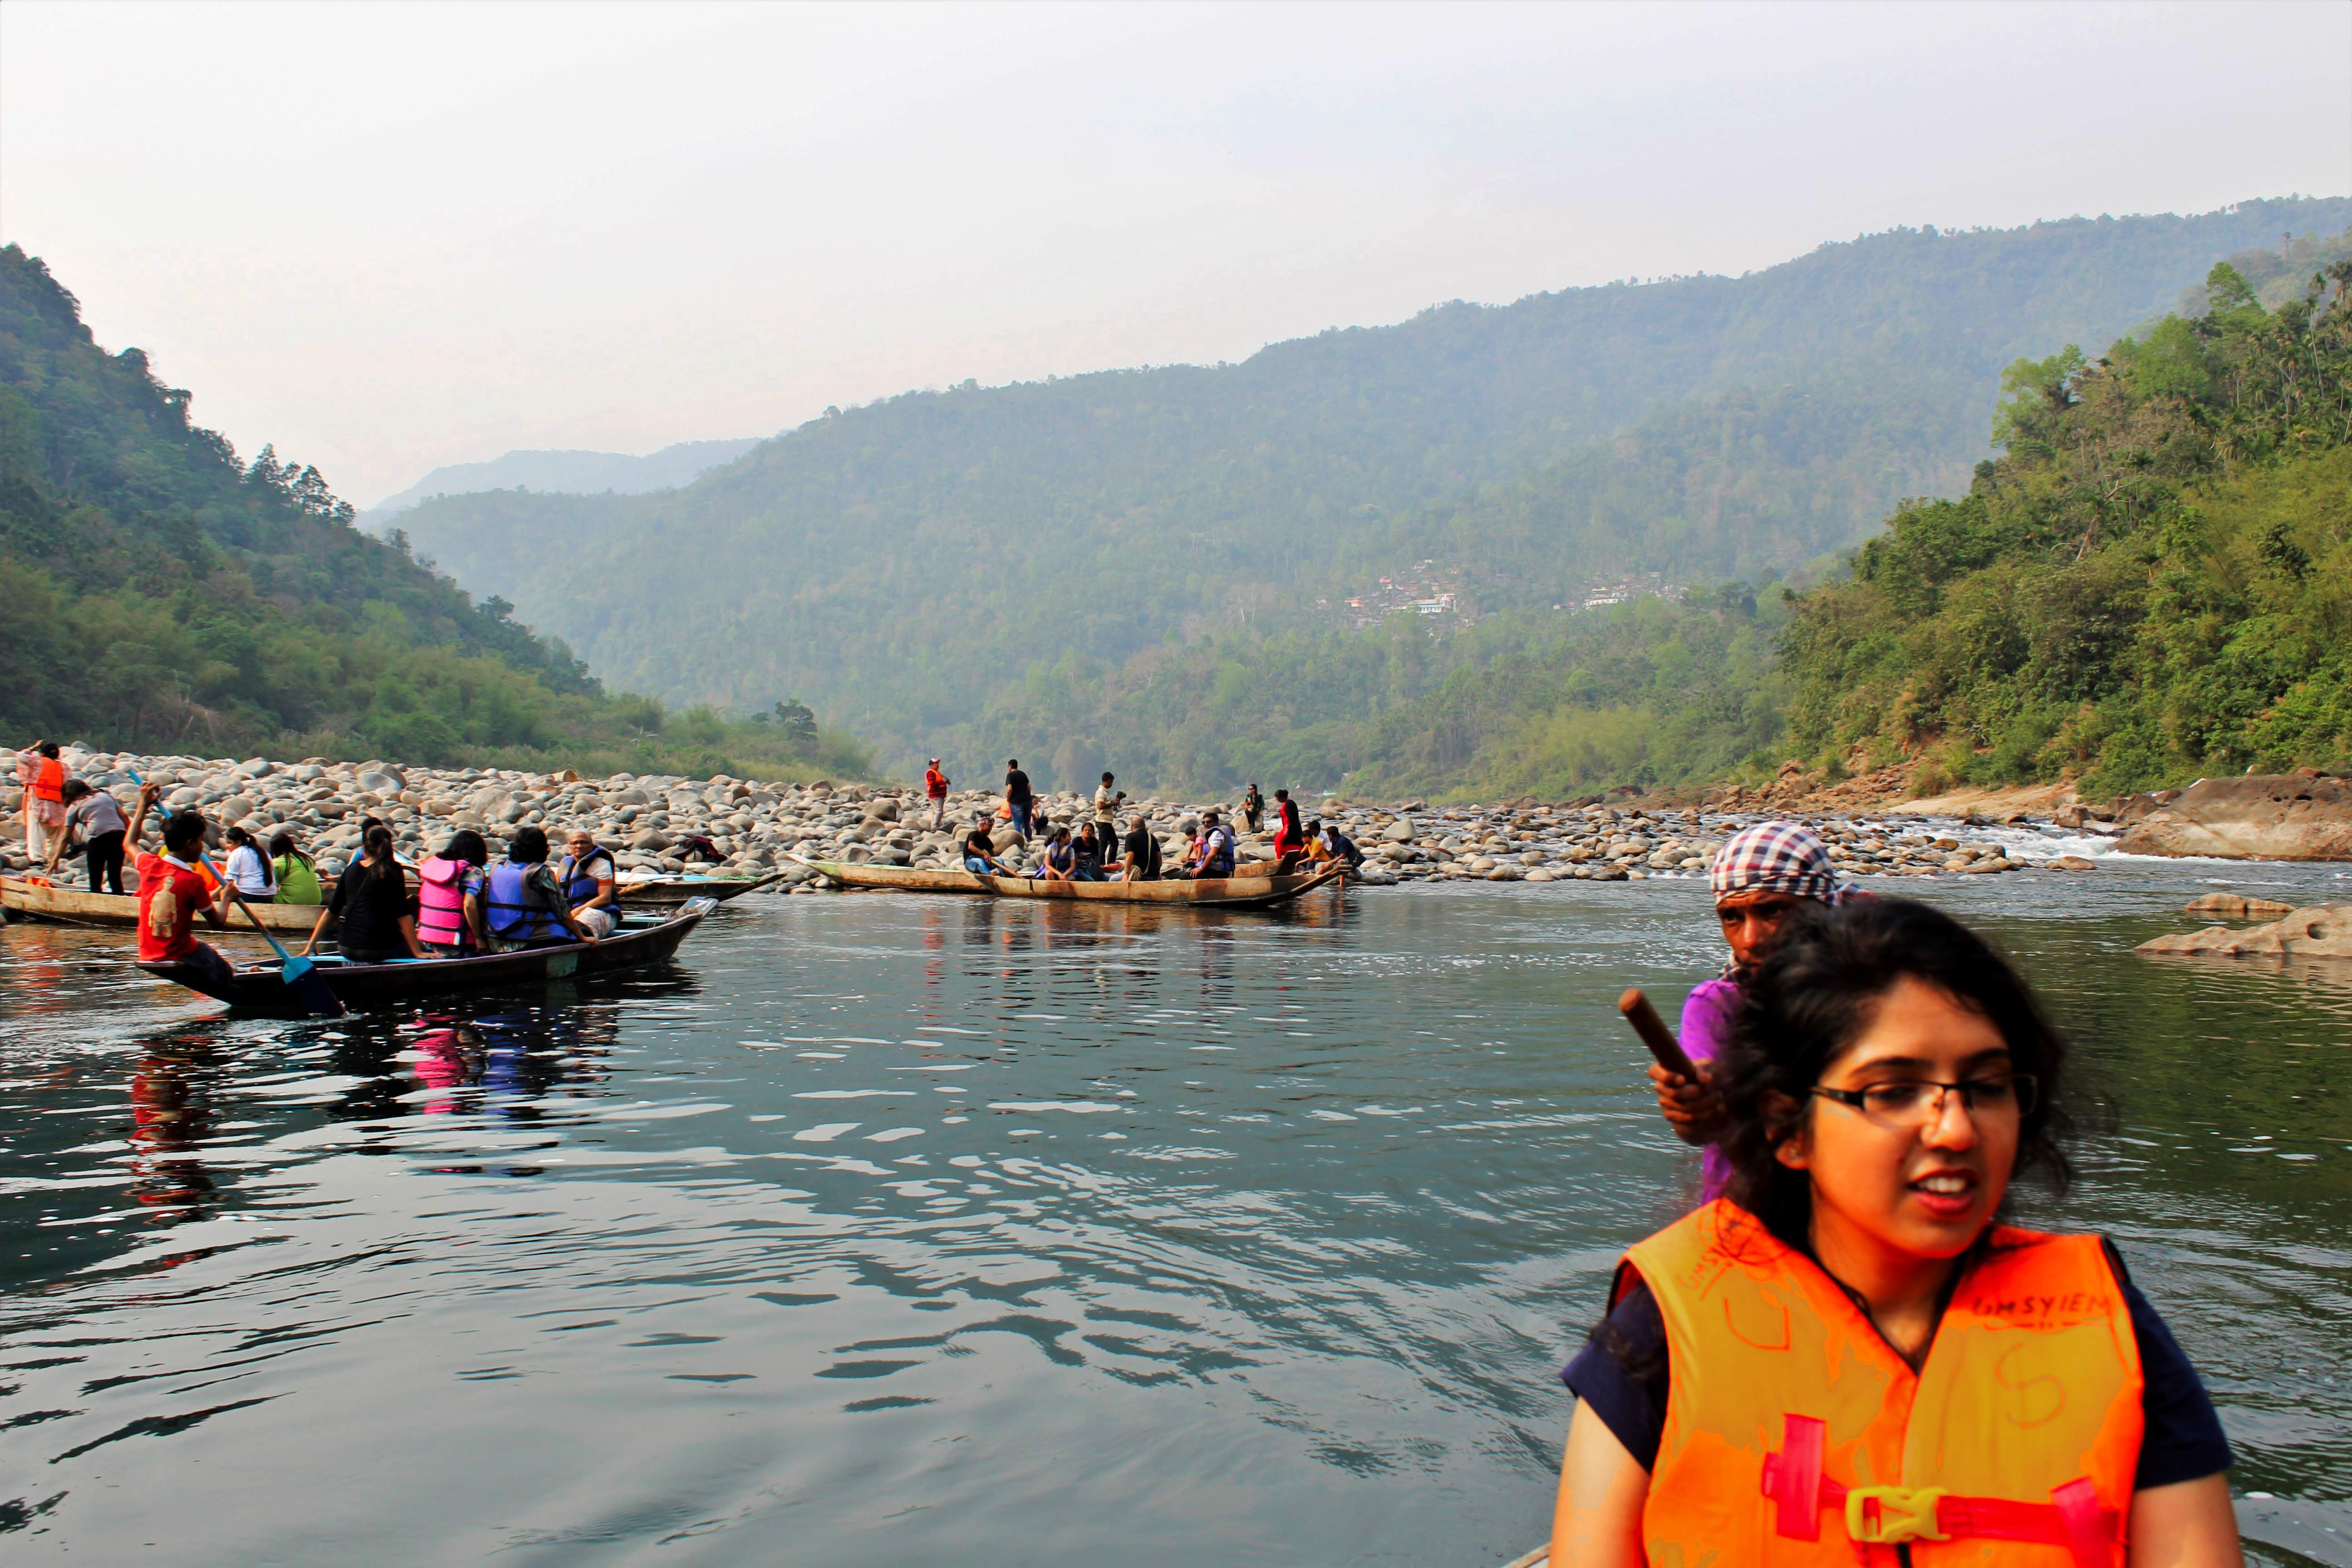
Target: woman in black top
(372, 900)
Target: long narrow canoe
(1227, 892)
(257, 987)
(669, 892)
(27, 899)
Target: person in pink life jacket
(1757, 877)
(449, 897)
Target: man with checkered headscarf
(1757, 877)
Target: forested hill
(908, 562)
(161, 593)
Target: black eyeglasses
(1911, 1102)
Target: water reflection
(1017, 1232)
(172, 1116)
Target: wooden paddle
(297, 972)
(1655, 1034)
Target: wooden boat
(257, 988)
(669, 892)
(25, 899)
(1226, 892)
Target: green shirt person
(297, 878)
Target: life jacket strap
(1884, 1515)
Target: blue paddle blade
(311, 988)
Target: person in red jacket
(934, 786)
(1290, 838)
(173, 890)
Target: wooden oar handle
(1655, 1034)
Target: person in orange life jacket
(172, 890)
(1757, 875)
(934, 789)
(1848, 1359)
(96, 818)
(449, 897)
(589, 876)
(524, 905)
(44, 778)
(378, 921)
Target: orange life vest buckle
(1887, 1516)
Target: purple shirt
(1706, 1024)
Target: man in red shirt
(935, 785)
(172, 890)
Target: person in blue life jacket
(1217, 849)
(588, 875)
(523, 904)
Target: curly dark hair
(1817, 989)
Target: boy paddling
(172, 892)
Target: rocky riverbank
(759, 827)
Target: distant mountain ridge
(938, 565)
(566, 473)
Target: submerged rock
(2236, 906)
(2323, 931)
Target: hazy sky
(387, 238)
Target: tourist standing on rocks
(43, 775)
(591, 882)
(1017, 797)
(1848, 1353)
(92, 816)
(372, 903)
(1760, 875)
(935, 787)
(248, 868)
(1107, 810)
(172, 892)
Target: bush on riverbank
(2154, 582)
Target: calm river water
(887, 1228)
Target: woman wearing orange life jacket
(43, 774)
(1848, 1359)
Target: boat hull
(257, 988)
(1227, 892)
(669, 894)
(26, 900)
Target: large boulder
(2323, 931)
(2260, 817)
